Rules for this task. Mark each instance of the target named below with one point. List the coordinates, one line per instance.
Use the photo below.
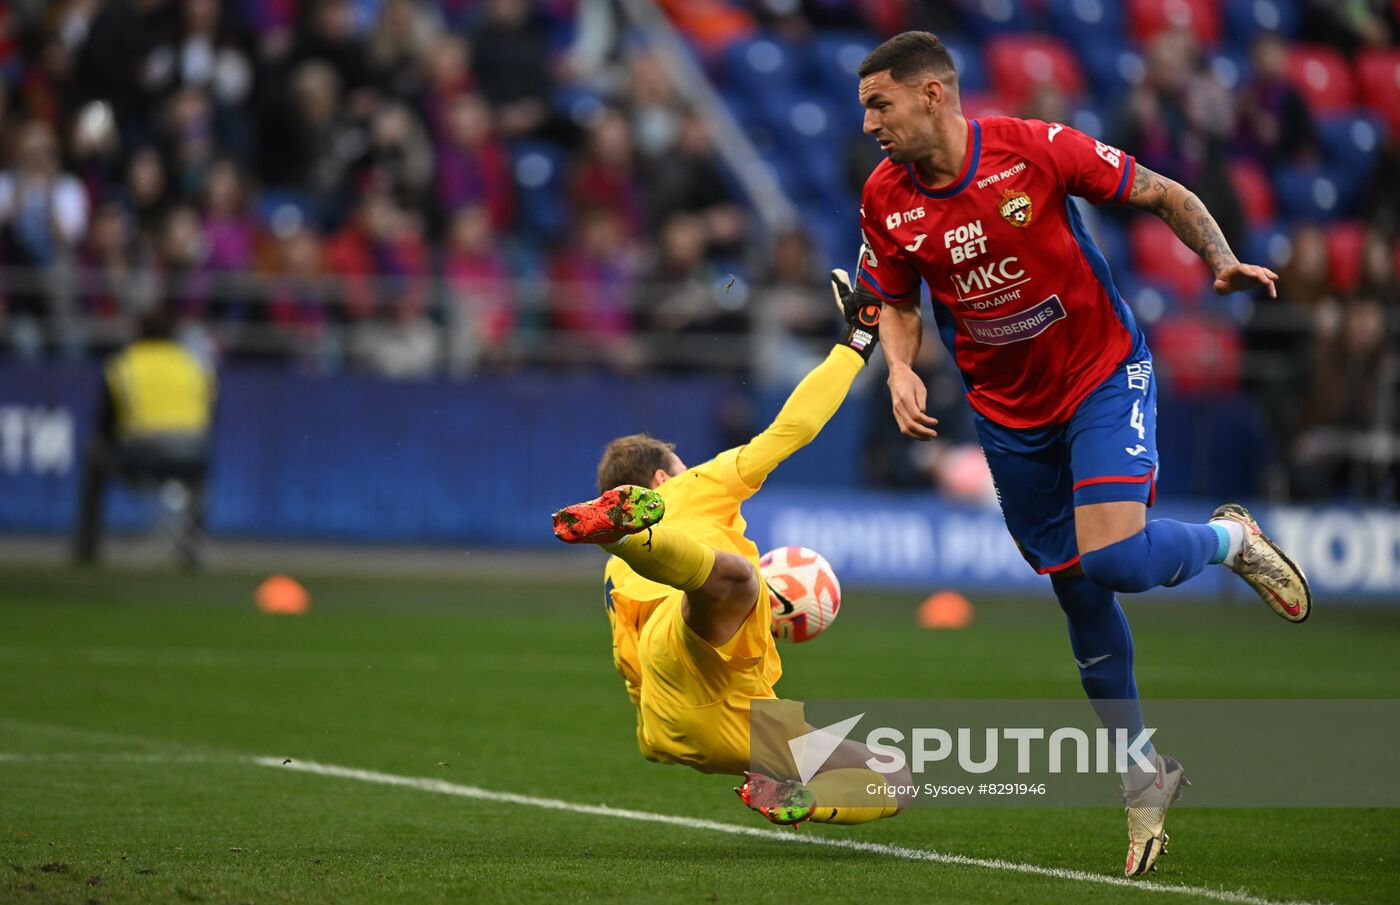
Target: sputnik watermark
(932, 745)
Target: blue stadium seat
(1112, 65)
(1312, 192)
(538, 167)
(990, 17)
(1245, 19)
(761, 64)
(1271, 245)
(1083, 23)
(1352, 145)
(1230, 66)
(834, 57)
(967, 57)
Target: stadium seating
(1344, 244)
(1321, 76)
(1309, 192)
(1351, 144)
(1146, 18)
(1378, 76)
(989, 17)
(1246, 19)
(1159, 256)
(1019, 64)
(1252, 185)
(1085, 23)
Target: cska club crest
(1015, 208)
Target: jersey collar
(970, 161)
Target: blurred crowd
(418, 188)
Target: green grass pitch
(130, 704)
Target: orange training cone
(281, 594)
(945, 609)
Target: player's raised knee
(1118, 567)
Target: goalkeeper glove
(861, 309)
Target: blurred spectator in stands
(329, 36)
(604, 175)
(473, 167)
(43, 216)
(230, 237)
(189, 134)
(116, 60)
(147, 191)
(383, 259)
(689, 180)
(511, 63)
(1178, 122)
(154, 416)
(400, 154)
(1274, 124)
(482, 305)
(323, 142)
(448, 76)
(399, 46)
(695, 324)
(205, 55)
(591, 291)
(654, 109)
(793, 315)
(1305, 278)
(114, 282)
(1351, 397)
(1380, 255)
(302, 294)
(181, 257)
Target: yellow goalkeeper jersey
(705, 502)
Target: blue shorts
(1106, 453)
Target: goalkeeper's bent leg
(668, 556)
(852, 796)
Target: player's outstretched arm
(821, 392)
(902, 332)
(1194, 226)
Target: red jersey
(1022, 296)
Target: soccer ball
(803, 591)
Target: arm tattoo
(1184, 213)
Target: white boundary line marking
(442, 787)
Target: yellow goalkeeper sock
(852, 787)
(668, 556)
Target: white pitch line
(134, 757)
(442, 787)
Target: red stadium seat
(1257, 196)
(1345, 240)
(1148, 17)
(1321, 76)
(1159, 255)
(1019, 64)
(1378, 78)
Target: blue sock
(1165, 553)
(1099, 637)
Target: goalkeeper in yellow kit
(690, 611)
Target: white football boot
(1147, 816)
(1267, 569)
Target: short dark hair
(633, 459)
(910, 53)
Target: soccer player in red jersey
(1057, 372)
